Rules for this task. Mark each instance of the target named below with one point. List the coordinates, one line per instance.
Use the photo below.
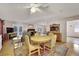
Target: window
(76, 28)
(20, 30)
(15, 28)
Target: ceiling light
(33, 10)
(36, 7)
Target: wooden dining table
(41, 40)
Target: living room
(19, 20)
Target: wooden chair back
(53, 41)
(27, 41)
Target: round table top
(40, 39)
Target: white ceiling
(16, 11)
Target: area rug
(60, 51)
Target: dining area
(40, 43)
(36, 45)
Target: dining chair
(37, 34)
(31, 48)
(50, 45)
(16, 44)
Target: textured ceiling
(16, 11)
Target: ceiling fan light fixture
(33, 10)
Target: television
(9, 30)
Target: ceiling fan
(36, 7)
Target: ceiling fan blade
(35, 5)
(32, 5)
(44, 6)
(28, 7)
(39, 10)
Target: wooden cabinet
(59, 37)
(55, 27)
